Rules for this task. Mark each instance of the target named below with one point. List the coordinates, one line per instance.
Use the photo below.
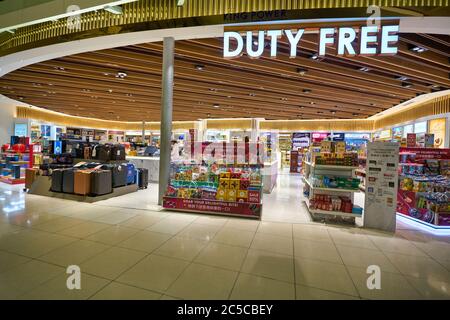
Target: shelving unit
(311, 169)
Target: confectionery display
(334, 203)
(216, 188)
(334, 182)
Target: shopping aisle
(126, 250)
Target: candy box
(208, 194)
(194, 193)
(236, 175)
(231, 195)
(171, 191)
(244, 184)
(242, 194)
(221, 194)
(325, 146)
(225, 175)
(183, 193)
(234, 184)
(224, 183)
(339, 147)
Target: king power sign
(372, 40)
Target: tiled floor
(127, 248)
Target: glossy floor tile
(128, 248)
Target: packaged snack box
(244, 184)
(234, 184)
(225, 175)
(221, 194)
(224, 183)
(231, 195)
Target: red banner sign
(224, 207)
(428, 153)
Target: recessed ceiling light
(306, 90)
(314, 56)
(283, 99)
(302, 107)
(252, 94)
(105, 73)
(60, 68)
(110, 90)
(418, 49)
(333, 112)
(365, 69)
(302, 71)
(312, 103)
(216, 105)
(86, 90)
(401, 78)
(199, 67)
(229, 97)
(121, 75)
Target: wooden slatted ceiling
(334, 87)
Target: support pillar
(143, 132)
(166, 115)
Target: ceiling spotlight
(406, 84)
(402, 78)
(302, 107)
(128, 94)
(306, 90)
(283, 99)
(314, 56)
(121, 75)
(229, 97)
(311, 103)
(105, 73)
(216, 105)
(60, 68)
(114, 9)
(418, 49)
(333, 112)
(301, 71)
(86, 90)
(199, 67)
(110, 90)
(365, 69)
(252, 94)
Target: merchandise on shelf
(336, 182)
(227, 189)
(333, 203)
(349, 159)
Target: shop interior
(91, 134)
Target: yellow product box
(231, 195)
(235, 184)
(225, 175)
(339, 147)
(183, 193)
(242, 194)
(325, 146)
(221, 194)
(224, 183)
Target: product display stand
(311, 170)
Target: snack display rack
(224, 189)
(330, 183)
(424, 186)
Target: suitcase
(57, 180)
(30, 176)
(142, 178)
(119, 174)
(68, 180)
(82, 182)
(102, 152)
(87, 153)
(131, 173)
(117, 152)
(101, 182)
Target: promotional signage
(371, 41)
(362, 136)
(335, 136)
(301, 140)
(381, 185)
(437, 127)
(427, 153)
(411, 140)
(429, 140)
(319, 136)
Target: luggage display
(117, 152)
(142, 178)
(119, 175)
(87, 153)
(82, 182)
(101, 152)
(131, 173)
(68, 180)
(30, 175)
(101, 182)
(57, 180)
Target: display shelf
(329, 166)
(328, 189)
(333, 213)
(9, 180)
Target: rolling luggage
(117, 152)
(68, 180)
(101, 152)
(101, 182)
(30, 176)
(131, 173)
(82, 182)
(142, 178)
(119, 174)
(87, 152)
(57, 180)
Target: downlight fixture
(121, 75)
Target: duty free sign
(366, 40)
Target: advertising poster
(411, 139)
(301, 140)
(337, 136)
(319, 136)
(437, 127)
(381, 185)
(429, 140)
(397, 134)
(356, 141)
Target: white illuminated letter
(259, 51)
(387, 37)
(293, 40)
(366, 39)
(346, 37)
(273, 34)
(324, 39)
(226, 44)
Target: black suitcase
(117, 152)
(101, 182)
(143, 178)
(119, 174)
(102, 152)
(57, 180)
(68, 176)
